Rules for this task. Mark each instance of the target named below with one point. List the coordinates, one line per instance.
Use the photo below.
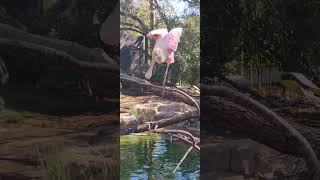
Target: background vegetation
(140, 16)
(261, 33)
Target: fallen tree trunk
(252, 118)
(72, 48)
(128, 129)
(95, 67)
(168, 121)
(59, 56)
(169, 93)
(244, 89)
(237, 112)
(165, 92)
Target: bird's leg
(165, 75)
(165, 78)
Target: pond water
(152, 157)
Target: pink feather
(173, 39)
(166, 45)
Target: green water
(151, 157)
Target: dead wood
(168, 121)
(179, 117)
(72, 48)
(227, 108)
(170, 93)
(95, 66)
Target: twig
(185, 155)
(173, 132)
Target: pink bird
(163, 51)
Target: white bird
(163, 51)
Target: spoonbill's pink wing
(170, 58)
(157, 33)
(173, 39)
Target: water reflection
(151, 157)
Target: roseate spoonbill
(163, 51)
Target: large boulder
(240, 157)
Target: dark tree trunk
(229, 109)
(94, 65)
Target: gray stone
(232, 156)
(127, 119)
(262, 166)
(241, 157)
(215, 157)
(172, 107)
(143, 113)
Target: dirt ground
(42, 134)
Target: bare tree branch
(143, 25)
(271, 118)
(133, 29)
(170, 93)
(162, 14)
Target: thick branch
(94, 65)
(169, 93)
(255, 95)
(7, 44)
(72, 48)
(258, 122)
(143, 25)
(160, 123)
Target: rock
(128, 123)
(144, 113)
(127, 119)
(243, 157)
(262, 166)
(153, 111)
(221, 176)
(163, 115)
(232, 156)
(3, 130)
(219, 157)
(172, 107)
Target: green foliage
(55, 169)
(291, 85)
(231, 67)
(6, 18)
(77, 21)
(143, 115)
(282, 33)
(186, 69)
(316, 91)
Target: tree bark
(94, 65)
(237, 112)
(160, 123)
(165, 92)
(244, 89)
(151, 22)
(72, 48)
